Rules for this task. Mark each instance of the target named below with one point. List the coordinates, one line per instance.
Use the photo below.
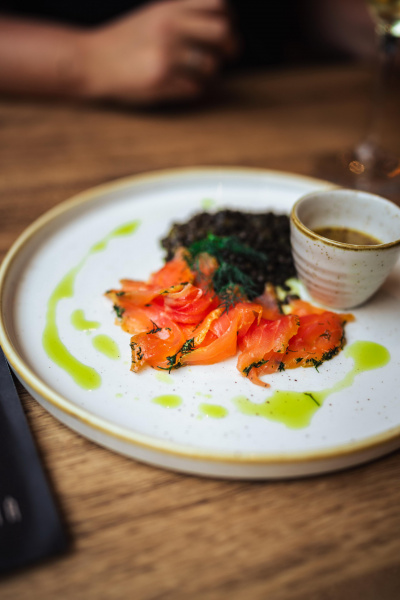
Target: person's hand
(169, 50)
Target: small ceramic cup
(342, 275)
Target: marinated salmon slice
(189, 304)
(262, 343)
(173, 272)
(156, 347)
(319, 338)
(227, 329)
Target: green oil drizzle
(126, 229)
(209, 396)
(164, 378)
(104, 344)
(168, 400)
(213, 410)
(85, 376)
(367, 356)
(296, 409)
(79, 321)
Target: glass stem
(387, 46)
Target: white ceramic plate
(214, 427)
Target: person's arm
(165, 51)
(39, 58)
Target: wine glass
(374, 163)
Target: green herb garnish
(326, 335)
(316, 363)
(219, 247)
(254, 365)
(330, 353)
(230, 281)
(137, 350)
(119, 311)
(155, 329)
(312, 398)
(173, 361)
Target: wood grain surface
(144, 533)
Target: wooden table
(144, 533)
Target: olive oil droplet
(164, 378)
(168, 400)
(79, 321)
(215, 411)
(104, 344)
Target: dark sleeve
(267, 28)
(73, 12)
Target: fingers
(182, 88)
(218, 6)
(198, 62)
(214, 31)
(168, 50)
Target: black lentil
(265, 232)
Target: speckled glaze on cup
(336, 274)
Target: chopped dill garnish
(173, 361)
(137, 350)
(230, 280)
(120, 293)
(316, 363)
(170, 367)
(119, 311)
(187, 347)
(281, 366)
(312, 398)
(326, 356)
(219, 246)
(254, 365)
(232, 285)
(326, 335)
(155, 329)
(330, 353)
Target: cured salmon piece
(156, 347)
(270, 304)
(173, 272)
(225, 343)
(189, 304)
(262, 342)
(319, 338)
(302, 308)
(133, 294)
(215, 338)
(249, 313)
